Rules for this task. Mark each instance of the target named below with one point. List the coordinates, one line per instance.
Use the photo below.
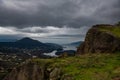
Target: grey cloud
(30, 31)
(10, 36)
(108, 13)
(73, 13)
(69, 36)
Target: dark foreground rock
(34, 71)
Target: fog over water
(51, 54)
(64, 48)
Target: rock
(55, 74)
(29, 71)
(34, 71)
(98, 41)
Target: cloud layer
(45, 34)
(55, 19)
(71, 13)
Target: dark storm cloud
(45, 14)
(109, 13)
(72, 13)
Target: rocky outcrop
(100, 41)
(34, 71)
(29, 71)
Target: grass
(87, 67)
(114, 30)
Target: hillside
(101, 39)
(84, 67)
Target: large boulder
(101, 39)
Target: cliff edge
(101, 39)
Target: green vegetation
(115, 30)
(86, 67)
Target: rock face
(34, 71)
(100, 40)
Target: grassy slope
(114, 30)
(87, 67)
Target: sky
(56, 21)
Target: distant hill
(28, 45)
(28, 41)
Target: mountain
(23, 43)
(29, 46)
(101, 39)
(29, 43)
(28, 40)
